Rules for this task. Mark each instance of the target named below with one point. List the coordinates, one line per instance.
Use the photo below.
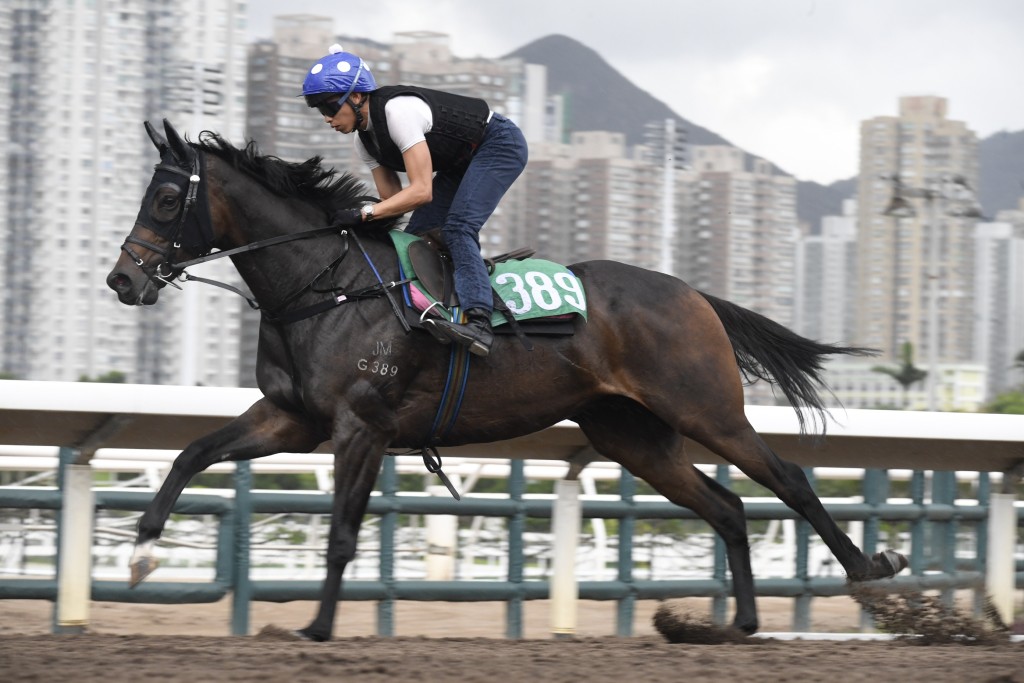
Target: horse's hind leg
(262, 430)
(744, 448)
(651, 450)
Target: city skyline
(788, 81)
(731, 217)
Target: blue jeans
(463, 201)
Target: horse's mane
(307, 180)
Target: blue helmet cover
(340, 72)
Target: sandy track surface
(462, 642)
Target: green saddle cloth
(531, 288)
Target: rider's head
(333, 78)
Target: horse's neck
(275, 273)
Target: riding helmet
(338, 72)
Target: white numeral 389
(538, 288)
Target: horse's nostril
(119, 282)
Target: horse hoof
(141, 568)
(307, 634)
(895, 561)
(747, 628)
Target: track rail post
(74, 534)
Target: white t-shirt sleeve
(409, 120)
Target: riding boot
(475, 333)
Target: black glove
(346, 218)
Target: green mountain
(600, 98)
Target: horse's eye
(166, 203)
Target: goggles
(329, 107)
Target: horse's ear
(158, 140)
(181, 149)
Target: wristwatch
(367, 212)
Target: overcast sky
(789, 80)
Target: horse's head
(173, 221)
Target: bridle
(176, 235)
(166, 271)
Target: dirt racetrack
(461, 642)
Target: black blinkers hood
(194, 231)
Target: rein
(252, 246)
(374, 291)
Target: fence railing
(932, 545)
(82, 418)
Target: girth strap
(448, 411)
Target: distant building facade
(999, 309)
(925, 150)
(826, 279)
(739, 221)
(592, 198)
(962, 387)
(76, 182)
(8, 158)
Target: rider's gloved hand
(346, 218)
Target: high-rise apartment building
(592, 198)
(826, 279)
(739, 225)
(665, 142)
(999, 307)
(929, 155)
(6, 67)
(278, 118)
(76, 182)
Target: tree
(1011, 402)
(112, 377)
(907, 374)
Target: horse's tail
(766, 350)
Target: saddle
(433, 266)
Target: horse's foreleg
(356, 466)
(651, 450)
(262, 430)
(723, 510)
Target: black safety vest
(458, 128)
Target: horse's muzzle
(130, 293)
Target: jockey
(460, 158)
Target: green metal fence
(933, 529)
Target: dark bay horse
(655, 362)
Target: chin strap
(358, 110)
